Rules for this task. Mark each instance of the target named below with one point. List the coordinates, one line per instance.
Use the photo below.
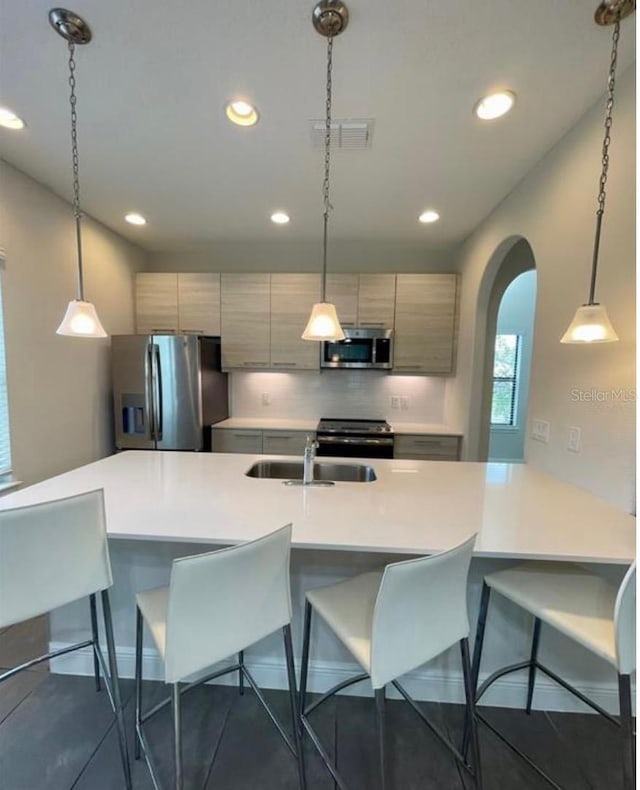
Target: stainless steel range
(355, 438)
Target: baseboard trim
(425, 684)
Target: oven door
(355, 446)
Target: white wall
(337, 393)
(554, 209)
(283, 254)
(516, 317)
(59, 387)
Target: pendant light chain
(77, 213)
(608, 122)
(327, 165)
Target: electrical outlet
(265, 399)
(395, 401)
(404, 402)
(541, 431)
(573, 445)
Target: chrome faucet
(308, 459)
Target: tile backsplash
(365, 394)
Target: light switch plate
(404, 402)
(395, 401)
(573, 445)
(541, 431)
(265, 398)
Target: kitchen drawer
(427, 447)
(284, 442)
(228, 440)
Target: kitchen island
(164, 505)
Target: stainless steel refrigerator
(167, 391)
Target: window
(505, 380)
(5, 444)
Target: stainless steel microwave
(361, 348)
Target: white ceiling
(153, 137)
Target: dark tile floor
(57, 733)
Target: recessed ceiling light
(280, 218)
(429, 216)
(10, 120)
(241, 112)
(135, 219)
(495, 105)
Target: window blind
(5, 443)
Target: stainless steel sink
(322, 472)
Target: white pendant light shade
(81, 320)
(590, 325)
(323, 323)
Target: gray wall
(59, 387)
(554, 209)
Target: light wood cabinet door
(199, 303)
(423, 447)
(245, 300)
(292, 296)
(377, 300)
(342, 291)
(156, 302)
(228, 440)
(425, 328)
(284, 442)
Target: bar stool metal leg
(138, 672)
(241, 673)
(534, 658)
(477, 656)
(470, 717)
(385, 783)
(114, 684)
(304, 669)
(177, 733)
(626, 725)
(96, 641)
(293, 698)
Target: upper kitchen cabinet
(156, 302)
(363, 299)
(170, 302)
(425, 329)
(246, 305)
(292, 296)
(342, 291)
(199, 303)
(377, 300)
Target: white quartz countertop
(413, 507)
(272, 424)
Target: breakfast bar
(162, 505)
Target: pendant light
(591, 323)
(81, 319)
(330, 18)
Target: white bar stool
(52, 554)
(216, 605)
(587, 609)
(392, 622)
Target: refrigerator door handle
(158, 394)
(150, 392)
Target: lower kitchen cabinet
(426, 447)
(228, 440)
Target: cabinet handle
(278, 438)
(285, 364)
(407, 367)
(194, 331)
(247, 435)
(160, 331)
(428, 442)
(372, 323)
(254, 364)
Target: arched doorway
(511, 259)
(511, 369)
